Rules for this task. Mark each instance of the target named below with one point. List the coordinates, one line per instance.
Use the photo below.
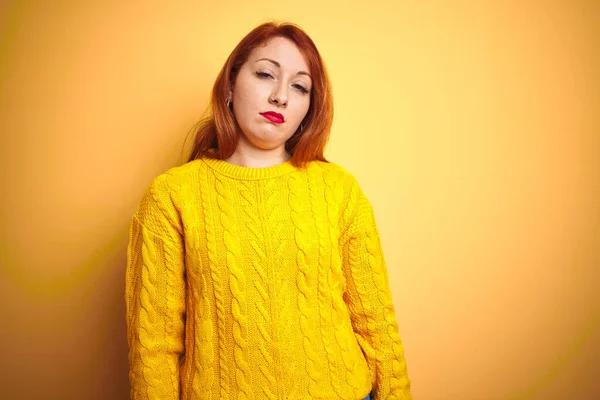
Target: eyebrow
(278, 65)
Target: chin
(267, 141)
(266, 144)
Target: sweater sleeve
(155, 294)
(369, 300)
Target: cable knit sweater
(259, 283)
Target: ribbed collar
(249, 173)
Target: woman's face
(274, 79)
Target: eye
(267, 75)
(301, 88)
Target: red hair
(216, 135)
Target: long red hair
(216, 135)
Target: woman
(255, 270)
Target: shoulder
(346, 188)
(182, 175)
(175, 179)
(334, 173)
(170, 188)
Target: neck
(257, 158)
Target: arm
(369, 300)
(155, 295)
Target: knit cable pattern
(259, 263)
(324, 292)
(204, 352)
(360, 277)
(341, 325)
(273, 207)
(203, 357)
(304, 283)
(219, 287)
(171, 264)
(148, 338)
(237, 287)
(372, 341)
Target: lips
(273, 117)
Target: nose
(279, 96)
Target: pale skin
(262, 142)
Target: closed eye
(267, 75)
(302, 89)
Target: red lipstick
(273, 117)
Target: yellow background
(473, 127)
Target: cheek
(243, 99)
(303, 110)
(250, 95)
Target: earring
(228, 102)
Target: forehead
(282, 50)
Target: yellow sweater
(259, 283)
